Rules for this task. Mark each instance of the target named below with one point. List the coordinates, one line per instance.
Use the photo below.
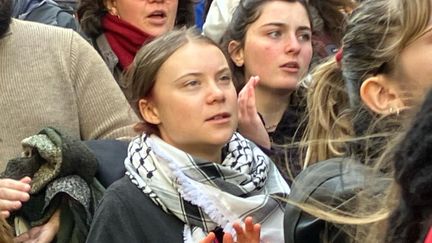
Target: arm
(102, 108)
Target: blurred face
(194, 101)
(154, 17)
(414, 70)
(278, 45)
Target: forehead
(289, 13)
(193, 57)
(196, 50)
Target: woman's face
(278, 45)
(195, 101)
(154, 17)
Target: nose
(292, 44)
(215, 93)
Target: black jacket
(331, 182)
(126, 214)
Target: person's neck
(209, 153)
(271, 105)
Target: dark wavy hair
(90, 13)
(247, 12)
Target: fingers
(12, 193)
(246, 100)
(251, 232)
(249, 224)
(227, 238)
(209, 238)
(26, 180)
(5, 214)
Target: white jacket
(218, 18)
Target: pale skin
(13, 193)
(248, 115)
(249, 234)
(277, 48)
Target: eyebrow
(222, 70)
(278, 24)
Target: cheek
(260, 55)
(306, 54)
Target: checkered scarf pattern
(204, 194)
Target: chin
(223, 137)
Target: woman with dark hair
(118, 28)
(271, 40)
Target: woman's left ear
(111, 6)
(236, 53)
(381, 95)
(148, 112)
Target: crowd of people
(215, 121)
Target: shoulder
(126, 214)
(40, 32)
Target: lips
(157, 14)
(219, 116)
(291, 65)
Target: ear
(111, 5)
(236, 53)
(380, 94)
(148, 111)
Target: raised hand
(250, 124)
(249, 234)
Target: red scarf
(125, 39)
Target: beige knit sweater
(52, 77)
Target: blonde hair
(376, 33)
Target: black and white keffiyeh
(204, 194)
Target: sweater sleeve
(103, 110)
